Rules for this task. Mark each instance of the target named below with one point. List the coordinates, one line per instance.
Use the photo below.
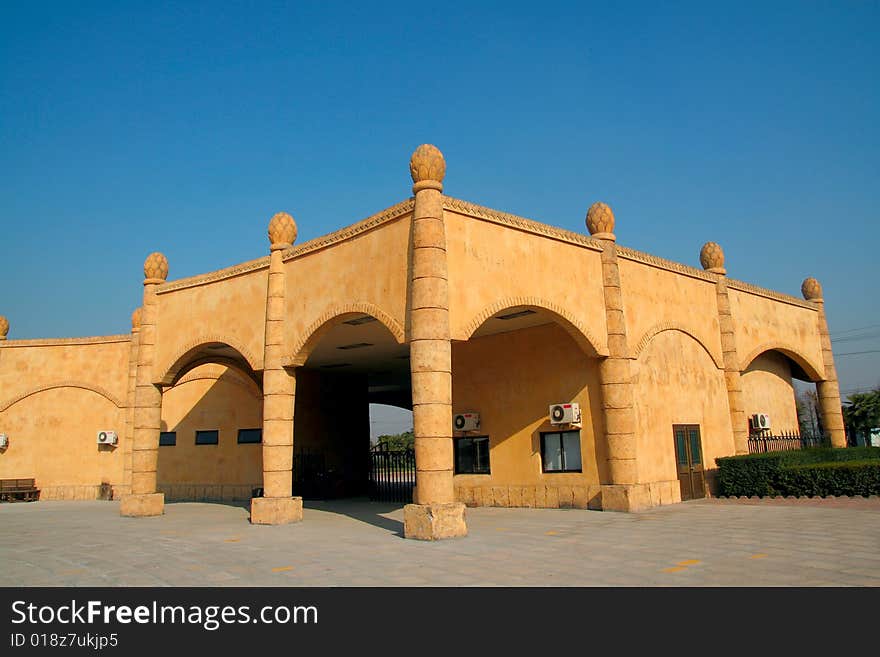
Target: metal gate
(392, 475)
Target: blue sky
(132, 127)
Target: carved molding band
(103, 392)
(813, 369)
(56, 342)
(581, 334)
(520, 223)
(170, 370)
(673, 326)
(770, 294)
(311, 336)
(215, 372)
(219, 275)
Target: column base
(142, 506)
(276, 510)
(638, 497)
(431, 522)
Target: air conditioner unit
(4, 441)
(466, 421)
(565, 413)
(760, 421)
(107, 438)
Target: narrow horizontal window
(167, 439)
(207, 437)
(246, 436)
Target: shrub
(801, 472)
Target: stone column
(143, 499)
(712, 259)
(623, 492)
(277, 506)
(828, 390)
(434, 514)
(4, 327)
(128, 437)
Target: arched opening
(210, 445)
(349, 362)
(516, 363)
(777, 386)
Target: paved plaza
(358, 543)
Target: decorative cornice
(309, 339)
(581, 334)
(519, 223)
(219, 275)
(662, 263)
(371, 222)
(673, 326)
(770, 294)
(60, 342)
(64, 384)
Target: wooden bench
(18, 490)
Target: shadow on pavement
(363, 510)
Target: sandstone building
(437, 305)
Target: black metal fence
(786, 441)
(392, 475)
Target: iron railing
(392, 475)
(783, 442)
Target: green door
(689, 460)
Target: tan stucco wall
(678, 383)
(492, 267)
(233, 311)
(55, 396)
(511, 379)
(655, 299)
(763, 323)
(366, 274)
(211, 397)
(767, 388)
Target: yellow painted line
(673, 569)
(73, 571)
(281, 569)
(231, 540)
(550, 533)
(689, 562)
(760, 555)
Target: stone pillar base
(627, 497)
(276, 510)
(431, 522)
(140, 506)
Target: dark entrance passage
(689, 461)
(392, 475)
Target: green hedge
(806, 472)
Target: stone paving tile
(356, 543)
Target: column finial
(712, 258)
(600, 222)
(282, 231)
(155, 268)
(427, 168)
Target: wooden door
(689, 460)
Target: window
(167, 439)
(561, 451)
(207, 437)
(250, 436)
(472, 455)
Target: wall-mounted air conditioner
(565, 413)
(760, 422)
(466, 421)
(4, 441)
(107, 438)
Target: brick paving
(713, 542)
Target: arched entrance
(518, 361)
(351, 361)
(211, 428)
